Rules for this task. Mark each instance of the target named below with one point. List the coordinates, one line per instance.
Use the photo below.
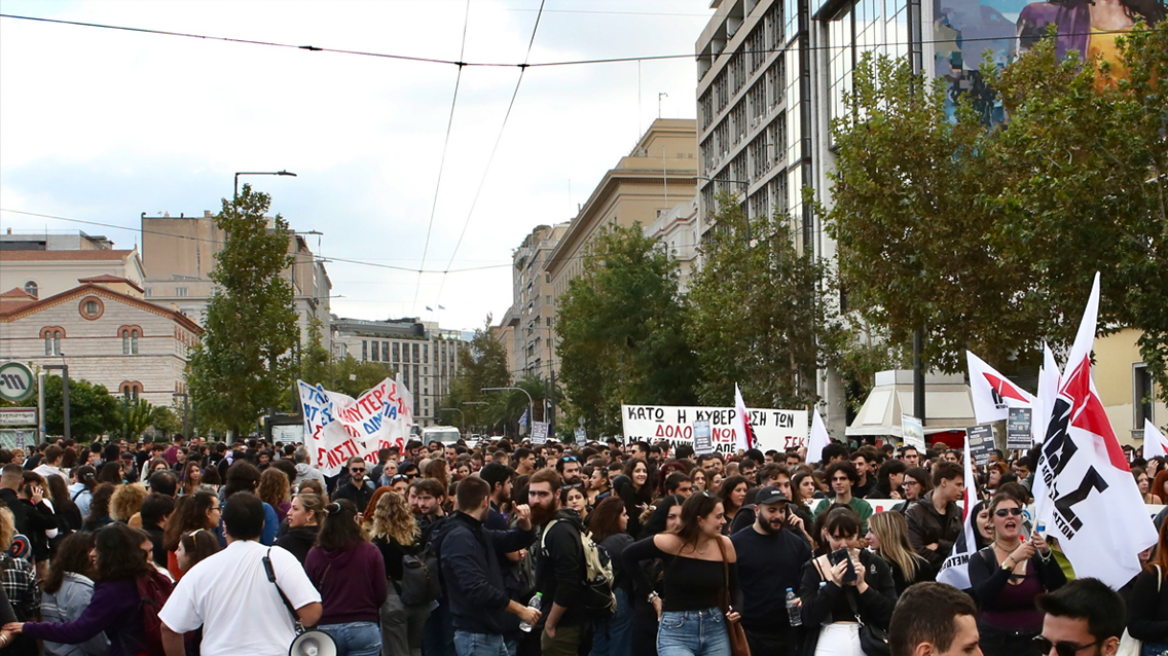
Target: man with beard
(559, 569)
(770, 562)
(426, 497)
(568, 467)
(499, 478)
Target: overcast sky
(103, 125)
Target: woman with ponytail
(350, 574)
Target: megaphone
(313, 642)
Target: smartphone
(843, 556)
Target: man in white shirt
(230, 596)
(51, 464)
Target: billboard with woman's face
(964, 30)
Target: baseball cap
(770, 494)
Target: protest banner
(1018, 430)
(1084, 490)
(981, 442)
(773, 429)
(702, 442)
(338, 427)
(913, 432)
(539, 432)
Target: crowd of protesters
(190, 547)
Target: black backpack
(419, 582)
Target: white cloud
(103, 125)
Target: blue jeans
(693, 633)
(613, 637)
(479, 644)
(355, 638)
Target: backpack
(153, 590)
(419, 583)
(599, 600)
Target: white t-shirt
(229, 595)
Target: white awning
(947, 402)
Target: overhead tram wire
(494, 149)
(445, 146)
(574, 62)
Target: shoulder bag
(1129, 646)
(738, 644)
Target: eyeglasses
(1003, 512)
(357, 470)
(1060, 648)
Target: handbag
(873, 640)
(1129, 646)
(738, 644)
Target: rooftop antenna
(659, 97)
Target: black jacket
(825, 604)
(299, 541)
(359, 496)
(926, 526)
(468, 561)
(560, 572)
(989, 579)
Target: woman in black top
(665, 518)
(303, 525)
(610, 520)
(833, 607)
(701, 569)
(634, 489)
(1007, 577)
(396, 534)
(1148, 607)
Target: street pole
(919, 375)
(64, 395)
(530, 402)
(239, 173)
(41, 406)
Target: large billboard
(963, 30)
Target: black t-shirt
(862, 491)
(767, 566)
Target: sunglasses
(569, 459)
(1003, 512)
(1060, 648)
(357, 469)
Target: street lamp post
(530, 402)
(64, 395)
(239, 173)
(459, 411)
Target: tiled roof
(17, 292)
(105, 277)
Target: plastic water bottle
(794, 613)
(535, 603)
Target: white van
(444, 434)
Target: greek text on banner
(775, 429)
(338, 427)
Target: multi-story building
(677, 230)
(531, 317)
(45, 264)
(425, 355)
(179, 255)
(107, 334)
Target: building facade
(677, 230)
(107, 334)
(179, 255)
(531, 317)
(425, 356)
(47, 264)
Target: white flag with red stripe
(1154, 442)
(743, 433)
(1097, 513)
(955, 569)
(993, 394)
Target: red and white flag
(1154, 442)
(993, 393)
(955, 569)
(743, 433)
(1096, 510)
(818, 440)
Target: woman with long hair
(733, 493)
(889, 479)
(698, 479)
(350, 574)
(1145, 485)
(665, 517)
(437, 470)
(599, 488)
(993, 477)
(701, 573)
(195, 547)
(68, 590)
(201, 510)
(1007, 576)
(609, 529)
(836, 603)
(371, 507)
(1149, 601)
(111, 472)
(803, 487)
(888, 537)
(713, 481)
(303, 525)
(572, 496)
(192, 478)
(99, 513)
(69, 518)
(396, 535)
(81, 492)
(984, 525)
(116, 606)
(273, 490)
(634, 489)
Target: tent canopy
(948, 404)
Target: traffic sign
(18, 416)
(16, 382)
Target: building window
(425, 354)
(1143, 399)
(32, 288)
(364, 350)
(91, 308)
(149, 292)
(180, 291)
(385, 351)
(415, 350)
(130, 341)
(376, 351)
(396, 352)
(52, 336)
(131, 390)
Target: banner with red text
(338, 427)
(773, 429)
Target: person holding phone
(844, 589)
(1007, 577)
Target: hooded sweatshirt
(299, 541)
(351, 582)
(306, 472)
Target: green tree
(166, 421)
(92, 410)
(756, 313)
(134, 417)
(482, 363)
(242, 367)
(621, 331)
(988, 237)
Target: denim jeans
(479, 644)
(614, 637)
(693, 633)
(355, 638)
